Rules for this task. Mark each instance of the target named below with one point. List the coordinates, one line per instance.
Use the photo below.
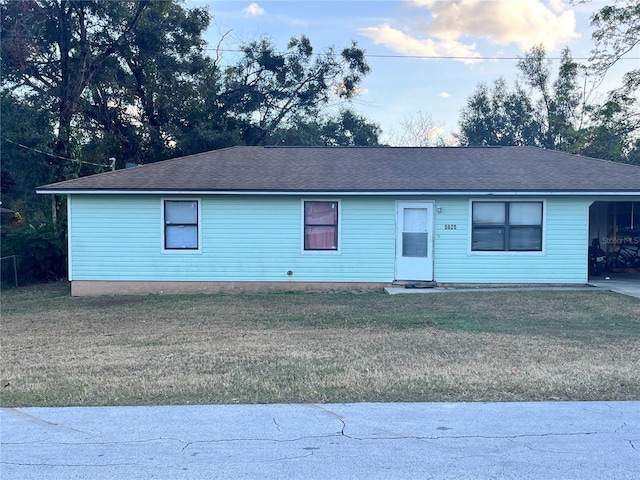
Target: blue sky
(482, 39)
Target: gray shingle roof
(367, 169)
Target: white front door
(414, 241)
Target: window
(320, 225)
(507, 226)
(415, 232)
(180, 224)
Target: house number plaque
(450, 226)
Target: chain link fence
(9, 270)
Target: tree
(617, 32)
(613, 133)
(55, 48)
(418, 130)
(132, 80)
(559, 103)
(499, 117)
(267, 89)
(349, 129)
(548, 115)
(555, 114)
(159, 74)
(26, 137)
(119, 76)
(346, 128)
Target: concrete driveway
(563, 440)
(627, 283)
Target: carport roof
(365, 169)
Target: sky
(426, 56)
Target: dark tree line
(559, 113)
(84, 81)
(554, 114)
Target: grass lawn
(326, 347)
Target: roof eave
(337, 192)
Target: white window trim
(541, 252)
(320, 252)
(180, 251)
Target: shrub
(40, 251)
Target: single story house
(302, 218)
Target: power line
(53, 155)
(424, 57)
(454, 57)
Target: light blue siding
(259, 238)
(563, 259)
(248, 238)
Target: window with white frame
(514, 226)
(181, 224)
(320, 225)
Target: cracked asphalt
(538, 440)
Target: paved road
(564, 440)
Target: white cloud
(557, 6)
(444, 94)
(453, 23)
(522, 22)
(427, 47)
(254, 10)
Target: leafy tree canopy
(616, 33)
(496, 116)
(267, 89)
(25, 164)
(134, 80)
(554, 113)
(346, 128)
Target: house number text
(450, 226)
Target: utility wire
(423, 57)
(53, 155)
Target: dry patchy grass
(466, 346)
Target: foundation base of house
(89, 288)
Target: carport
(616, 224)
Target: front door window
(415, 235)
